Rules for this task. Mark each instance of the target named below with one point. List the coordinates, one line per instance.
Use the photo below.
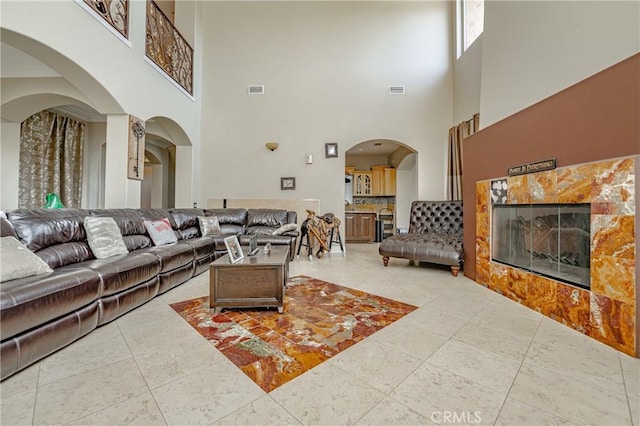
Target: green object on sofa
(53, 202)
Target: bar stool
(336, 238)
(305, 233)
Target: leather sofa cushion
(202, 246)
(268, 238)
(187, 222)
(172, 256)
(231, 229)
(229, 216)
(260, 230)
(188, 233)
(442, 249)
(266, 217)
(186, 218)
(123, 271)
(40, 228)
(66, 254)
(29, 302)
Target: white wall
(466, 83)
(533, 49)
(405, 190)
(326, 67)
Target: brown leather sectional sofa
(435, 235)
(41, 314)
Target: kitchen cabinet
(360, 227)
(362, 184)
(383, 181)
(389, 181)
(377, 180)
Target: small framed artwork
(233, 249)
(287, 183)
(330, 150)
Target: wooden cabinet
(379, 182)
(383, 181)
(377, 177)
(389, 181)
(362, 183)
(360, 227)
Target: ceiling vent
(396, 90)
(255, 89)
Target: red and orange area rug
(320, 320)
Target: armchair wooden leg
(385, 260)
(455, 270)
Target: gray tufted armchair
(435, 235)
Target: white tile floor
(466, 355)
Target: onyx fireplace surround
(602, 306)
(552, 240)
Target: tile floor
(467, 355)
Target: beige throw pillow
(285, 228)
(17, 261)
(104, 237)
(209, 225)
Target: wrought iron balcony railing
(166, 47)
(114, 12)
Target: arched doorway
(382, 159)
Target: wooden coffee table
(255, 281)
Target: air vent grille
(396, 90)
(255, 89)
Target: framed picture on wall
(330, 150)
(287, 183)
(135, 164)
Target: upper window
(472, 21)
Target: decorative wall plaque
(135, 166)
(538, 166)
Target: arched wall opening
(397, 155)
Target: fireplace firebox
(548, 239)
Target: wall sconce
(272, 146)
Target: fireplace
(552, 240)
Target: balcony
(164, 45)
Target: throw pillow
(285, 228)
(160, 231)
(103, 236)
(17, 261)
(209, 225)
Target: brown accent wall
(595, 119)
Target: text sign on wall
(538, 166)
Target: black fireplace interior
(549, 239)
